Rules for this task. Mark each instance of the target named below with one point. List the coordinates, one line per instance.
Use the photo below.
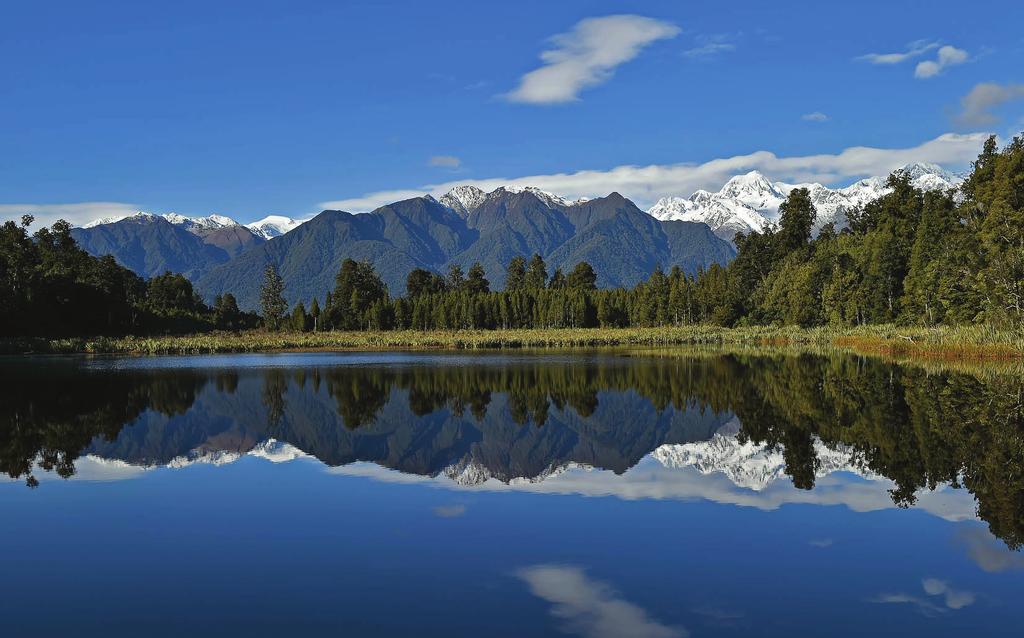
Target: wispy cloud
(645, 184)
(947, 56)
(950, 598)
(445, 161)
(954, 598)
(587, 56)
(449, 511)
(976, 107)
(652, 480)
(710, 46)
(923, 605)
(816, 116)
(913, 50)
(988, 552)
(76, 214)
(589, 607)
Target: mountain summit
(748, 203)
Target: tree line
(49, 286)
(910, 257)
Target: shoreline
(976, 343)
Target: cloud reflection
(449, 511)
(938, 589)
(987, 551)
(591, 608)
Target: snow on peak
(918, 170)
(466, 198)
(550, 199)
(749, 465)
(463, 199)
(274, 226)
(277, 451)
(267, 228)
(191, 224)
(200, 223)
(726, 216)
(113, 219)
(749, 202)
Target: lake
(609, 493)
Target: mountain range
(467, 225)
(748, 203)
(622, 242)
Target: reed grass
(967, 342)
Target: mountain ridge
(749, 202)
(622, 243)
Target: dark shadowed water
(655, 495)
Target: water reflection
(744, 421)
(591, 608)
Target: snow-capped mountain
(725, 216)
(188, 223)
(274, 226)
(749, 465)
(267, 228)
(749, 202)
(463, 199)
(209, 222)
(113, 219)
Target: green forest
(910, 257)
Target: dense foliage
(909, 257)
(51, 287)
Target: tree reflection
(48, 415)
(919, 428)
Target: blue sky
(248, 109)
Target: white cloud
(709, 46)
(589, 607)
(924, 606)
(816, 116)
(914, 49)
(449, 511)
(951, 598)
(445, 161)
(645, 184)
(651, 480)
(75, 214)
(988, 552)
(976, 107)
(954, 598)
(587, 56)
(948, 56)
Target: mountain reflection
(526, 417)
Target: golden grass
(961, 343)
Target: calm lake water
(599, 495)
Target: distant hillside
(150, 246)
(623, 243)
(153, 244)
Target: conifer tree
(314, 315)
(582, 277)
(536, 273)
(272, 303)
(476, 282)
(515, 278)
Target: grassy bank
(974, 342)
